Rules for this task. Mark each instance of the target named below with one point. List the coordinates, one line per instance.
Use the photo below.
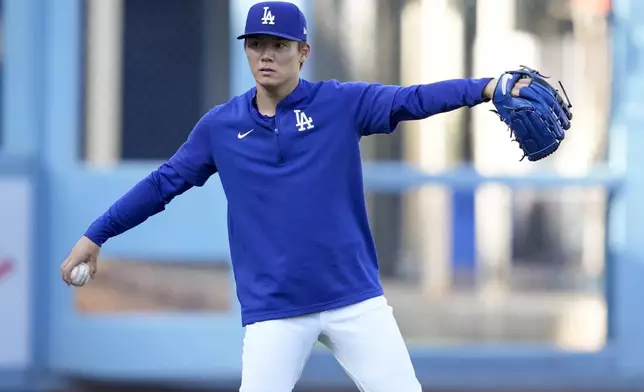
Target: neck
(268, 98)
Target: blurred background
(502, 273)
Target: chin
(268, 82)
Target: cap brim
(274, 34)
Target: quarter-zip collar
(294, 98)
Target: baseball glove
(538, 117)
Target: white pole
(104, 77)
(432, 50)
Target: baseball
(80, 274)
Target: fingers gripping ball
(80, 274)
(538, 117)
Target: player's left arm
(379, 108)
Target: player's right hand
(85, 251)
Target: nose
(267, 56)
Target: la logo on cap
(268, 17)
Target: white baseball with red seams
(80, 274)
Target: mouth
(266, 70)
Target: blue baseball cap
(277, 18)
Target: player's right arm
(190, 166)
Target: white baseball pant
(364, 338)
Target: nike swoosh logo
(243, 135)
(504, 83)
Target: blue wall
(42, 123)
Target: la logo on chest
(302, 121)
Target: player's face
(274, 61)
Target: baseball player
(287, 154)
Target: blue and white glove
(538, 117)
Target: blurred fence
(513, 273)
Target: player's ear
(305, 51)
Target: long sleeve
(425, 100)
(379, 108)
(145, 199)
(190, 166)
